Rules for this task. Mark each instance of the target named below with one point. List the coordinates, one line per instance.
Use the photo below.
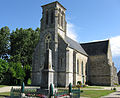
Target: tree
(23, 42)
(17, 72)
(4, 42)
(13, 73)
(3, 69)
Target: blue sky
(88, 20)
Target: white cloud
(114, 41)
(115, 45)
(71, 31)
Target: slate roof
(96, 48)
(75, 45)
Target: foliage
(4, 94)
(3, 86)
(14, 73)
(4, 42)
(29, 82)
(23, 42)
(16, 49)
(116, 84)
(27, 69)
(3, 69)
(114, 89)
(79, 83)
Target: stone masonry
(71, 61)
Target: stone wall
(82, 59)
(118, 74)
(99, 71)
(114, 77)
(61, 62)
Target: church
(60, 60)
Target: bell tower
(53, 18)
(53, 25)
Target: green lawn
(2, 86)
(5, 94)
(95, 93)
(95, 87)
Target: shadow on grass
(4, 96)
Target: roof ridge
(95, 41)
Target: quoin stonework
(60, 60)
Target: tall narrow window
(62, 21)
(47, 17)
(82, 70)
(59, 14)
(59, 19)
(52, 16)
(78, 66)
(61, 62)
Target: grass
(2, 86)
(95, 87)
(4, 94)
(95, 93)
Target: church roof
(96, 48)
(75, 45)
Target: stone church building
(60, 60)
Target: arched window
(47, 41)
(47, 17)
(52, 17)
(82, 70)
(78, 66)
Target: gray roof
(75, 45)
(96, 48)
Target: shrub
(81, 91)
(114, 89)
(84, 85)
(116, 84)
(79, 83)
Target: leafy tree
(18, 73)
(27, 69)
(3, 69)
(4, 42)
(14, 74)
(18, 46)
(23, 42)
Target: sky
(87, 20)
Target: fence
(29, 92)
(75, 93)
(34, 92)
